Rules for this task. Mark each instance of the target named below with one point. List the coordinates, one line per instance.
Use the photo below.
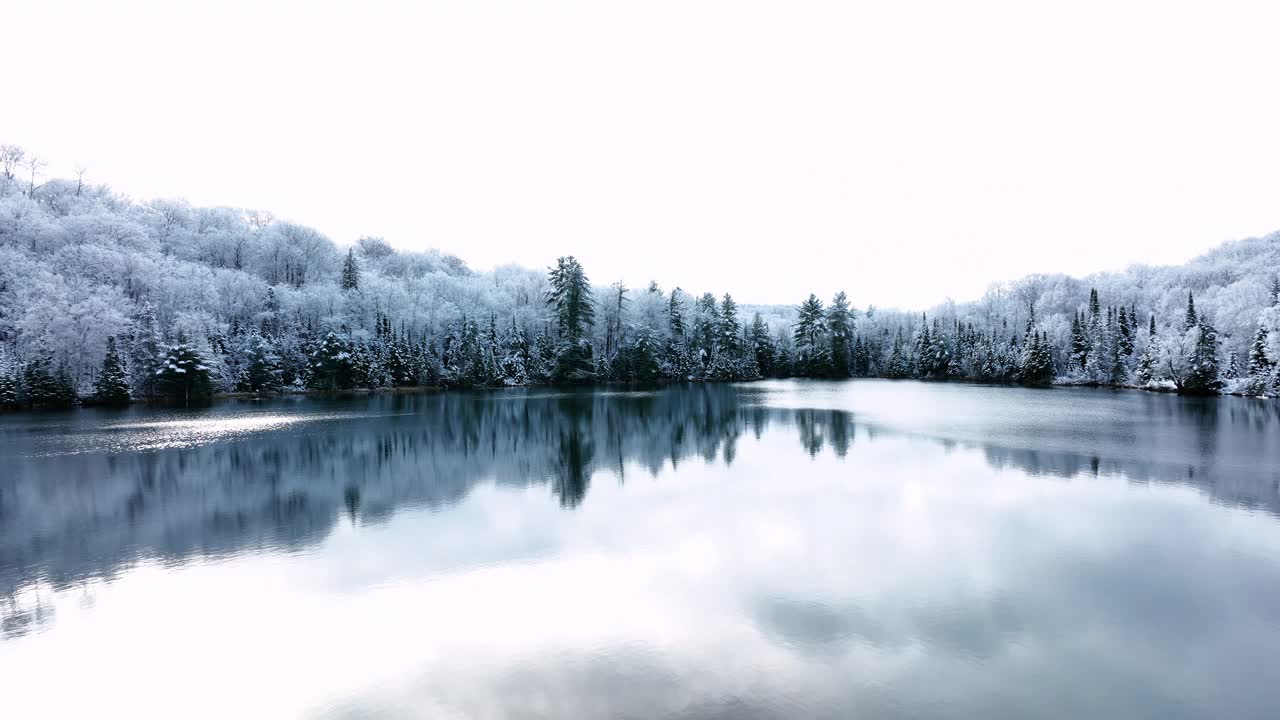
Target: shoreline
(437, 389)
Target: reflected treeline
(65, 517)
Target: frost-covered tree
(350, 272)
(183, 375)
(146, 350)
(330, 365)
(1036, 365)
(810, 335)
(1204, 375)
(264, 374)
(840, 326)
(112, 386)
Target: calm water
(773, 550)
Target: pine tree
(1232, 369)
(810, 332)
(569, 298)
(146, 351)
(112, 387)
(1259, 364)
(1190, 320)
(840, 325)
(1126, 329)
(1036, 364)
(1080, 345)
(350, 272)
(183, 375)
(8, 388)
(1150, 360)
(329, 366)
(762, 346)
(1261, 367)
(1205, 374)
(263, 373)
(46, 388)
(675, 316)
(513, 367)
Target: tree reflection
(71, 515)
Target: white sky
(903, 152)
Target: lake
(781, 549)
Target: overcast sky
(904, 152)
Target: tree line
(105, 300)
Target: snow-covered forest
(106, 299)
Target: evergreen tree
(145, 352)
(569, 298)
(1259, 364)
(112, 387)
(1232, 369)
(46, 388)
(263, 373)
(840, 326)
(899, 365)
(810, 333)
(329, 367)
(183, 375)
(1036, 364)
(1190, 320)
(706, 321)
(675, 316)
(1080, 345)
(1150, 360)
(762, 346)
(350, 272)
(1126, 329)
(642, 356)
(8, 388)
(728, 340)
(1205, 374)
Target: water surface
(773, 550)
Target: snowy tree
(112, 387)
(183, 375)
(1148, 364)
(145, 352)
(840, 325)
(350, 272)
(810, 335)
(1035, 366)
(1204, 375)
(8, 379)
(264, 374)
(330, 364)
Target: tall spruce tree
(840, 325)
(569, 298)
(112, 387)
(146, 351)
(1190, 319)
(329, 366)
(264, 374)
(810, 334)
(350, 272)
(1205, 373)
(183, 375)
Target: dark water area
(782, 549)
